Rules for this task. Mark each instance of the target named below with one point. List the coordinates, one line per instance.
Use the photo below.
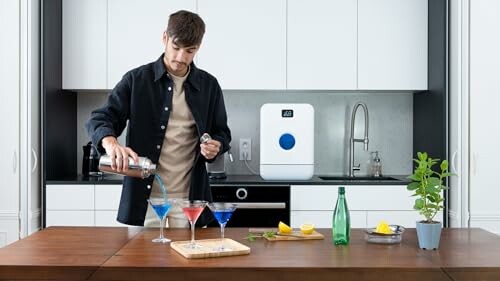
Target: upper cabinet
(245, 43)
(258, 45)
(135, 31)
(84, 44)
(392, 44)
(321, 44)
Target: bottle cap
(341, 190)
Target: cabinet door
(359, 197)
(392, 44)
(84, 44)
(321, 44)
(404, 218)
(484, 100)
(10, 93)
(69, 218)
(106, 218)
(323, 219)
(70, 197)
(244, 46)
(135, 32)
(107, 196)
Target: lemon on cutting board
(307, 228)
(383, 227)
(284, 228)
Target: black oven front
(256, 205)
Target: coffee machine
(90, 163)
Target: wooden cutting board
(296, 235)
(209, 248)
(293, 236)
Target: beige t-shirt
(179, 145)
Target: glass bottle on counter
(341, 224)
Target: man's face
(177, 59)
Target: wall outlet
(246, 149)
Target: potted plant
(427, 186)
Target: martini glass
(161, 206)
(222, 212)
(193, 209)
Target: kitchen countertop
(241, 179)
(107, 253)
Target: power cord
(245, 157)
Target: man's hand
(210, 148)
(119, 154)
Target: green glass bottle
(341, 225)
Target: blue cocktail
(222, 212)
(161, 206)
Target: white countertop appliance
(286, 141)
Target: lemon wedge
(284, 228)
(383, 227)
(307, 228)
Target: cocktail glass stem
(192, 234)
(222, 227)
(162, 224)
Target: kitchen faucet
(352, 140)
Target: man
(168, 104)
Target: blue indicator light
(287, 141)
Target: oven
(257, 205)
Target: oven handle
(260, 205)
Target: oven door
(256, 205)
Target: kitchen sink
(360, 178)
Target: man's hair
(185, 28)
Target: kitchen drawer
(359, 197)
(323, 219)
(70, 197)
(106, 218)
(69, 218)
(404, 218)
(107, 197)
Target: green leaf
(431, 189)
(419, 204)
(444, 165)
(434, 182)
(413, 186)
(444, 175)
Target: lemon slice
(284, 228)
(307, 228)
(383, 227)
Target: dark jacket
(143, 98)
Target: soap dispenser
(376, 165)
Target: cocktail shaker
(143, 169)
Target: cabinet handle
(453, 160)
(14, 162)
(35, 160)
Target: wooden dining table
(119, 253)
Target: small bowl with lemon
(385, 233)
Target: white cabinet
(103, 39)
(484, 62)
(135, 31)
(84, 43)
(392, 44)
(82, 205)
(245, 43)
(321, 44)
(10, 93)
(367, 204)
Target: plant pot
(428, 235)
